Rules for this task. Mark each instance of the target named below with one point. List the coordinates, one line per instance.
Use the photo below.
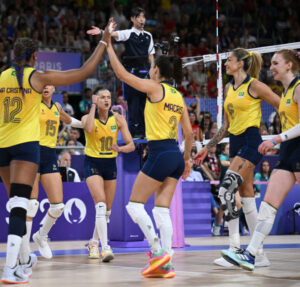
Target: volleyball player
(21, 88)
(48, 173)
(100, 170)
(242, 120)
(284, 67)
(164, 110)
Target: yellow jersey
(288, 109)
(243, 110)
(19, 116)
(98, 143)
(49, 122)
(162, 118)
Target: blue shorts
(164, 160)
(289, 156)
(29, 151)
(104, 167)
(48, 163)
(246, 145)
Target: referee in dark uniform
(137, 59)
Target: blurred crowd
(61, 25)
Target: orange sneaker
(166, 271)
(155, 261)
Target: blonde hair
(291, 56)
(252, 61)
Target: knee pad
(33, 206)
(100, 209)
(18, 202)
(249, 204)
(135, 210)
(20, 190)
(56, 210)
(107, 215)
(161, 216)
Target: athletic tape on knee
(33, 207)
(249, 204)
(56, 210)
(135, 210)
(265, 218)
(100, 209)
(161, 216)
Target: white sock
(25, 245)
(12, 249)
(234, 233)
(47, 225)
(101, 224)
(164, 224)
(139, 215)
(250, 211)
(95, 234)
(265, 220)
(256, 242)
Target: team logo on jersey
(56, 113)
(75, 211)
(173, 91)
(288, 102)
(113, 128)
(241, 95)
(13, 73)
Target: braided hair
(23, 50)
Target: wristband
(273, 142)
(103, 42)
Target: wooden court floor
(70, 266)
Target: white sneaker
(107, 254)
(93, 248)
(27, 267)
(261, 260)
(222, 262)
(42, 242)
(14, 275)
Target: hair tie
(250, 54)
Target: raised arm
(261, 90)
(64, 78)
(63, 115)
(129, 145)
(88, 120)
(151, 88)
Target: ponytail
(252, 61)
(170, 68)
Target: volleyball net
(212, 78)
